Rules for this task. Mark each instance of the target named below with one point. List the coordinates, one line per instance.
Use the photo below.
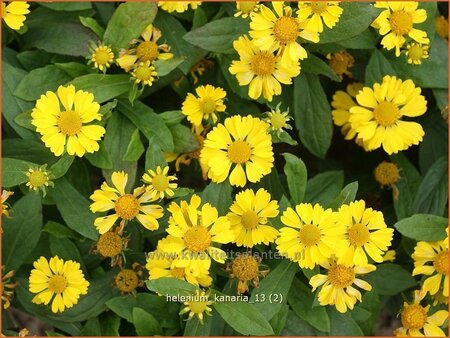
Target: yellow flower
(416, 52)
(278, 120)
(338, 283)
(111, 245)
(126, 206)
(192, 232)
(386, 173)
(206, 105)
(432, 259)
(249, 217)
(279, 31)
(102, 56)
(366, 233)
(5, 206)
(128, 280)
(263, 70)
(7, 287)
(38, 179)
(62, 279)
(342, 102)
(69, 126)
(389, 256)
(397, 20)
(178, 6)
(160, 183)
(145, 49)
(145, 73)
(315, 12)
(14, 13)
(441, 25)
(417, 323)
(161, 264)
(242, 142)
(198, 305)
(246, 8)
(340, 62)
(377, 119)
(311, 235)
(246, 268)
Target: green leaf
(110, 324)
(74, 69)
(135, 147)
(101, 158)
(315, 65)
(296, 326)
(91, 328)
(164, 67)
(104, 87)
(172, 117)
(301, 299)
(432, 195)
(219, 195)
(65, 249)
(195, 328)
(342, 324)
(184, 140)
(154, 156)
(120, 32)
(296, 175)
(434, 144)
(324, 187)
(422, 227)
(347, 195)
(149, 123)
(22, 231)
(60, 168)
(171, 287)
(145, 323)
(218, 36)
(14, 172)
(378, 67)
(24, 120)
(67, 6)
(312, 114)
(399, 279)
(93, 25)
(243, 317)
(278, 321)
(276, 284)
(58, 230)
(31, 59)
(364, 40)
(74, 208)
(27, 150)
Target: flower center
(144, 73)
(414, 316)
(319, 7)
(415, 52)
(147, 51)
(341, 61)
(198, 307)
(57, 283)
(208, 106)
(358, 235)
(250, 219)
(247, 6)
(160, 182)
(102, 56)
(109, 244)
(341, 276)
(441, 263)
(263, 63)
(69, 122)
(239, 152)
(197, 238)
(127, 207)
(386, 173)
(286, 29)
(401, 22)
(177, 272)
(127, 280)
(37, 178)
(309, 235)
(245, 267)
(278, 120)
(386, 113)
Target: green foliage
(422, 227)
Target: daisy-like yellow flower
(207, 104)
(14, 13)
(241, 142)
(441, 25)
(192, 232)
(377, 119)
(178, 6)
(249, 218)
(338, 289)
(432, 259)
(5, 207)
(144, 73)
(315, 12)
(246, 268)
(366, 233)
(340, 62)
(397, 20)
(278, 120)
(39, 179)
(342, 102)
(246, 8)
(57, 281)
(126, 206)
(416, 52)
(387, 174)
(311, 235)
(102, 57)
(68, 129)
(417, 323)
(145, 49)
(261, 69)
(198, 305)
(160, 182)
